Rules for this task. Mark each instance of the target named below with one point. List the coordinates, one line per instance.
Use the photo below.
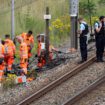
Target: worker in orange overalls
(40, 54)
(8, 55)
(23, 54)
(7, 37)
(29, 40)
(41, 51)
(2, 65)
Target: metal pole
(12, 20)
(73, 32)
(90, 19)
(73, 18)
(47, 36)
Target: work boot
(100, 60)
(82, 61)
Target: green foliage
(32, 74)
(86, 8)
(59, 29)
(9, 82)
(101, 2)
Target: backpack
(86, 31)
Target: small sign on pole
(47, 17)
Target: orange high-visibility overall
(2, 65)
(12, 44)
(9, 55)
(23, 57)
(39, 49)
(41, 58)
(29, 41)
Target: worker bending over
(23, 54)
(41, 52)
(29, 40)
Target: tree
(86, 8)
(101, 2)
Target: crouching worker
(23, 54)
(29, 40)
(40, 52)
(2, 65)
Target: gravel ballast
(72, 86)
(95, 97)
(19, 92)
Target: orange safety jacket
(28, 40)
(23, 50)
(8, 50)
(11, 44)
(2, 51)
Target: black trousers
(83, 47)
(100, 44)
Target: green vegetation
(87, 8)
(97, 7)
(29, 15)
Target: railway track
(85, 91)
(56, 83)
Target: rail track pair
(62, 79)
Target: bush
(9, 82)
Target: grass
(34, 11)
(30, 15)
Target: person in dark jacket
(83, 31)
(100, 38)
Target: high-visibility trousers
(41, 62)
(29, 55)
(23, 64)
(2, 67)
(9, 60)
(29, 52)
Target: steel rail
(56, 83)
(85, 91)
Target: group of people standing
(8, 51)
(26, 40)
(99, 29)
